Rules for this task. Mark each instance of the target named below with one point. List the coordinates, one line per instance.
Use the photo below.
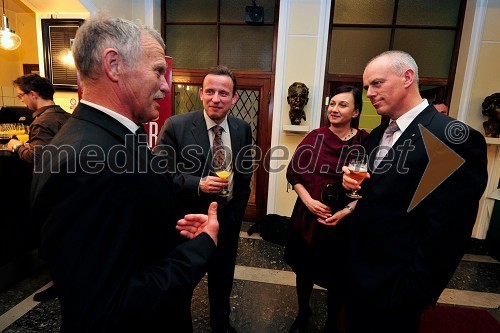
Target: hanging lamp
(8, 38)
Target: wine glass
(224, 171)
(358, 166)
(4, 139)
(5, 136)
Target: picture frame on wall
(31, 69)
(58, 36)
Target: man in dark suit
(108, 231)
(186, 140)
(406, 243)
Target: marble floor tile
(19, 291)
(476, 276)
(263, 298)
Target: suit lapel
(121, 133)
(235, 139)
(200, 133)
(409, 138)
(102, 120)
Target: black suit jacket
(108, 231)
(407, 258)
(184, 141)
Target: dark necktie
(217, 147)
(142, 135)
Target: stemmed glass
(224, 171)
(22, 133)
(5, 136)
(4, 139)
(358, 166)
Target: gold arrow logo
(443, 162)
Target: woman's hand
(318, 208)
(335, 218)
(338, 216)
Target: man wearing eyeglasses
(37, 93)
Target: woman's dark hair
(438, 101)
(358, 101)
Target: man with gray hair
(112, 251)
(412, 225)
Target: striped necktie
(218, 147)
(386, 142)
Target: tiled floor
(263, 298)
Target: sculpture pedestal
(486, 203)
(296, 128)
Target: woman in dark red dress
(316, 251)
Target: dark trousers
(334, 300)
(362, 318)
(221, 268)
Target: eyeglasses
(20, 96)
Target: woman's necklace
(348, 135)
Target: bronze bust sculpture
(297, 98)
(491, 109)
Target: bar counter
(18, 246)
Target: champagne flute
(358, 166)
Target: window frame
(445, 85)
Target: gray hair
(101, 32)
(400, 61)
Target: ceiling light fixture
(8, 38)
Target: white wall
(478, 73)
(302, 45)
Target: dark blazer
(108, 232)
(185, 143)
(184, 140)
(400, 257)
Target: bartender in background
(37, 93)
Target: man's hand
(213, 184)
(12, 143)
(194, 224)
(348, 183)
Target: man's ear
(111, 63)
(235, 98)
(408, 76)
(33, 94)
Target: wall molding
(472, 59)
